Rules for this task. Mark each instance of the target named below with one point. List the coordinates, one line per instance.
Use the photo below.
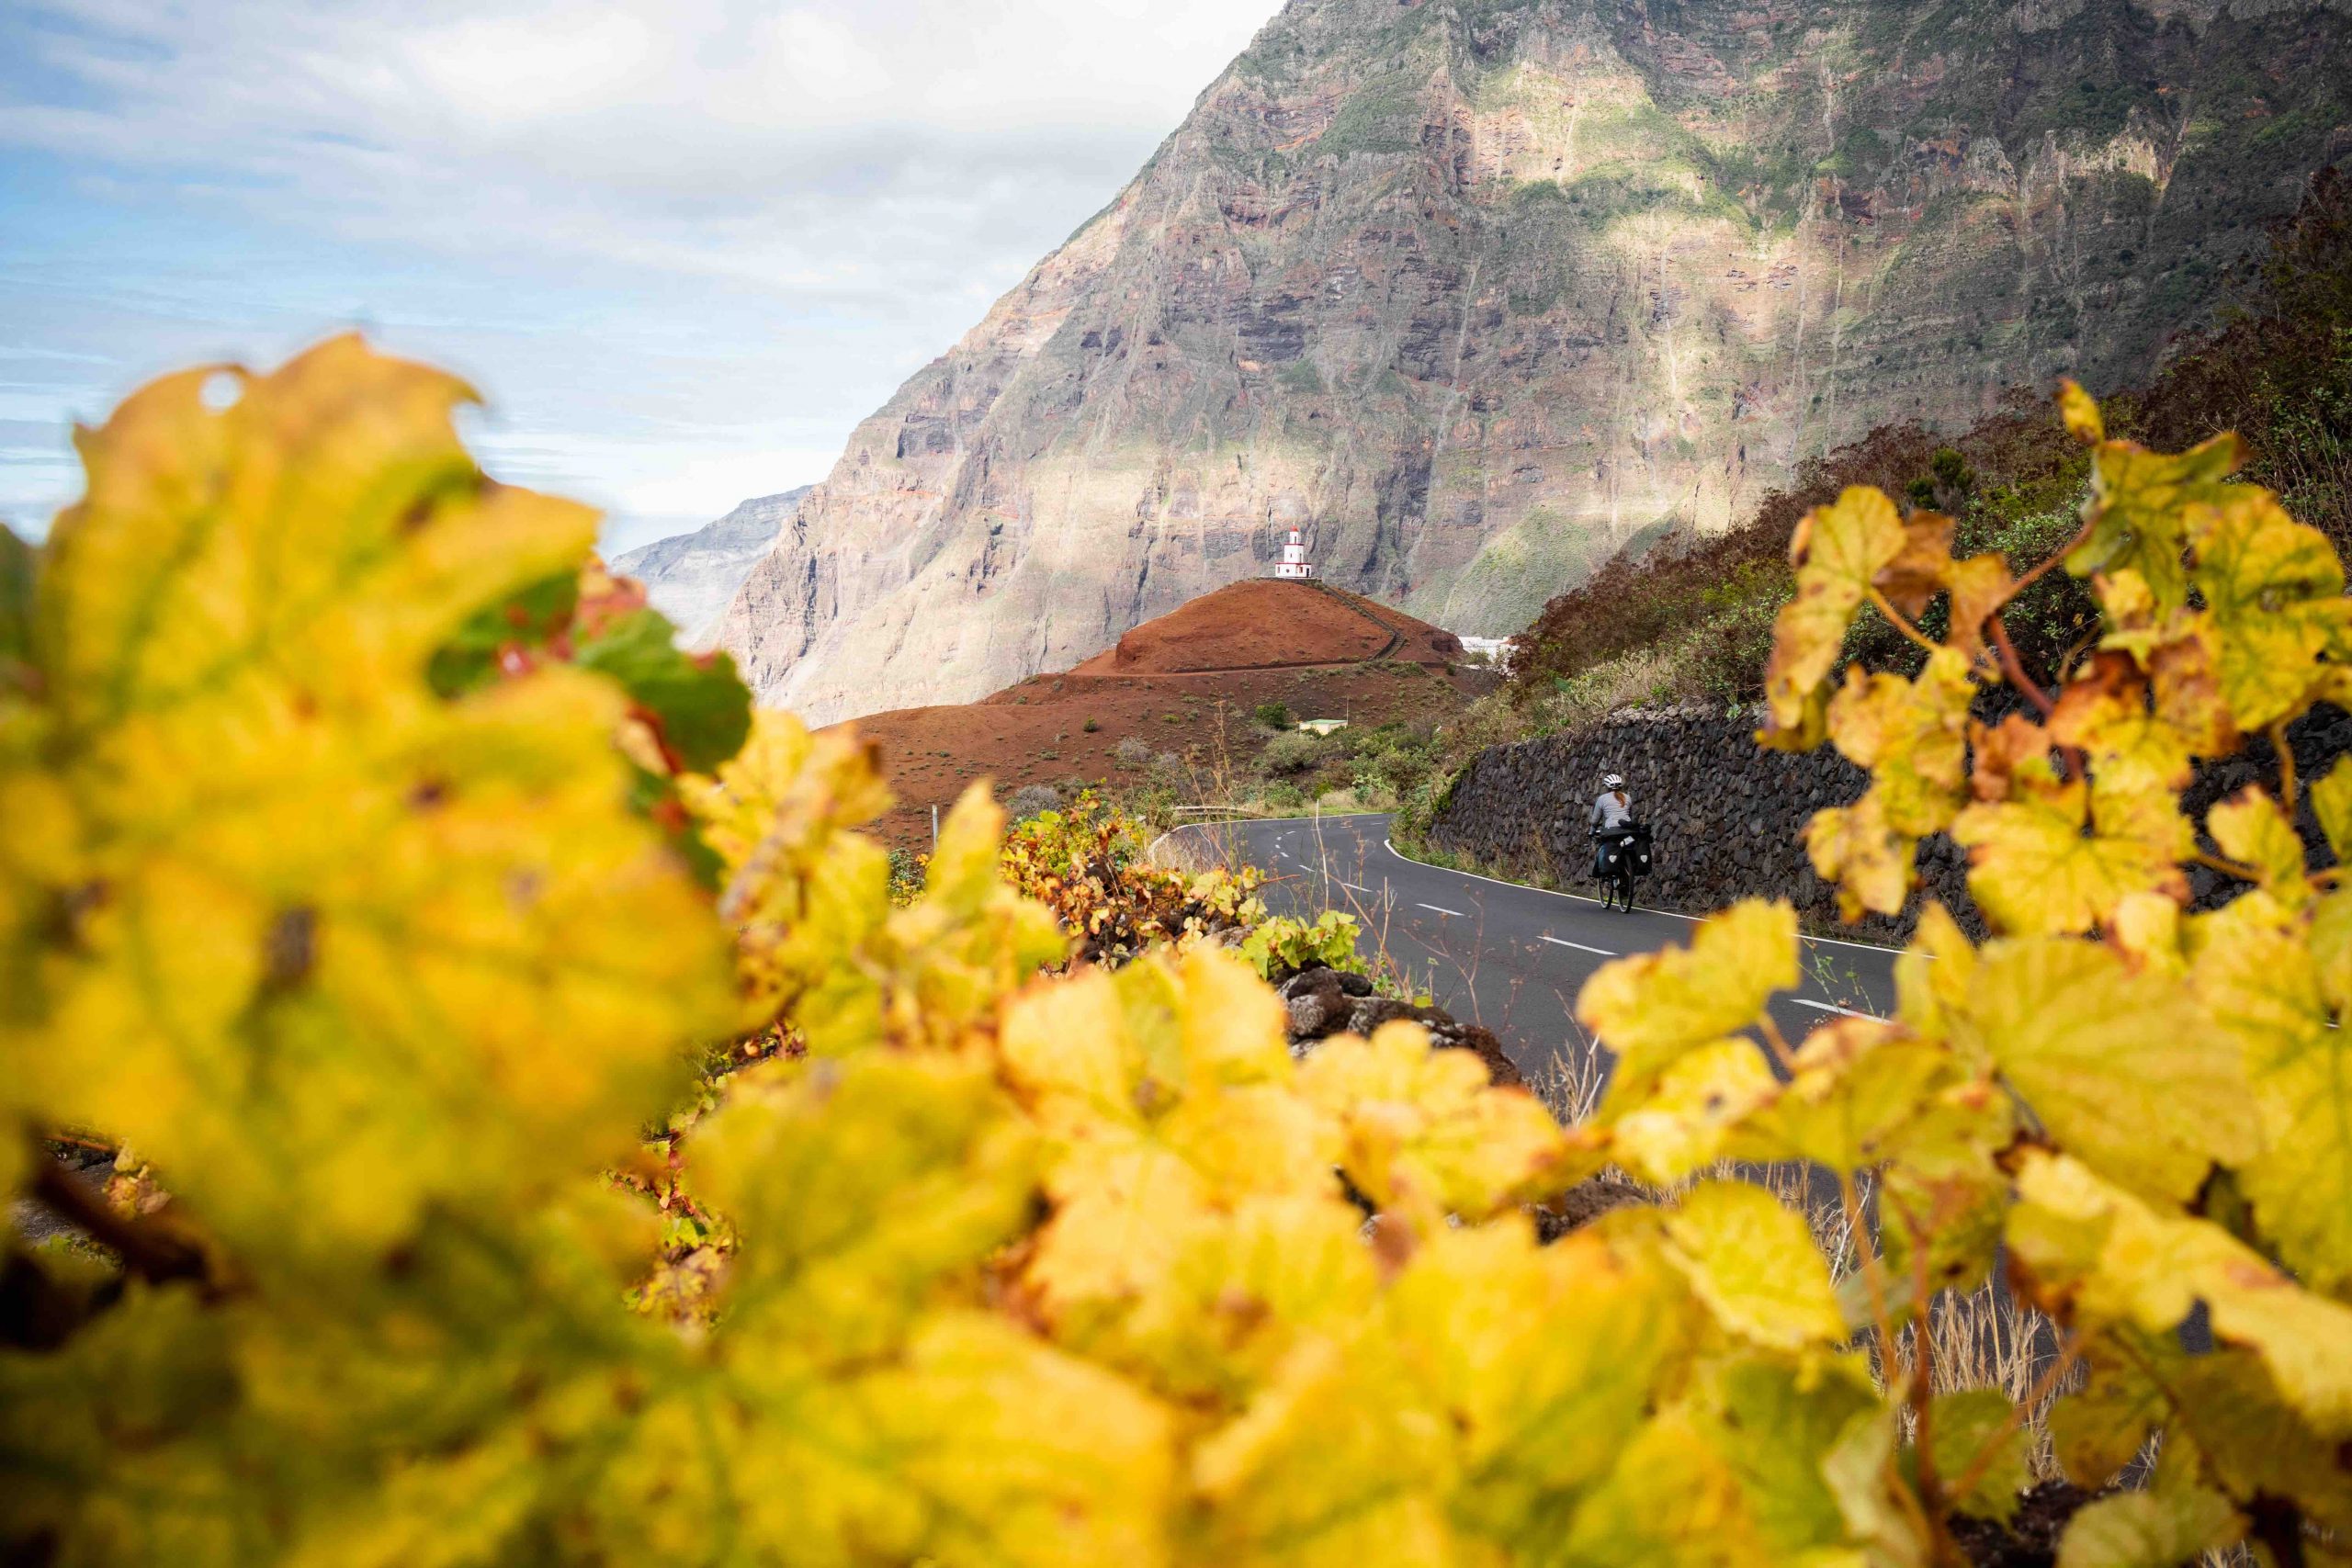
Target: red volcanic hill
(1266, 624)
(1184, 684)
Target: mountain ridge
(1481, 291)
(693, 577)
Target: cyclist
(1612, 829)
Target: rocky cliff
(1477, 291)
(692, 577)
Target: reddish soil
(1264, 624)
(1324, 653)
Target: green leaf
(19, 563)
(702, 709)
(2095, 1433)
(2150, 1530)
(530, 617)
(1965, 1425)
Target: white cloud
(669, 236)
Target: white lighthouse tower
(1295, 562)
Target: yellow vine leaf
(1935, 976)
(2079, 410)
(2275, 590)
(1238, 1297)
(1018, 1453)
(1653, 1007)
(2138, 508)
(1541, 1359)
(798, 889)
(1672, 1499)
(2257, 975)
(1857, 1090)
(2059, 857)
(2150, 1530)
(1336, 1464)
(1859, 851)
(1752, 1260)
(2331, 799)
(2098, 1431)
(1838, 550)
(1980, 585)
(417, 950)
(2252, 1443)
(2091, 1253)
(2115, 1065)
(1154, 1135)
(1777, 1425)
(1913, 736)
(2251, 829)
(1424, 1133)
(2180, 651)
(857, 1185)
(2105, 711)
(1681, 1127)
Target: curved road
(1496, 954)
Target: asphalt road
(1496, 954)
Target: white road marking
(1559, 942)
(1831, 1007)
(1444, 910)
(1350, 885)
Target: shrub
(1087, 865)
(1090, 727)
(1031, 800)
(1293, 751)
(1134, 751)
(1274, 716)
(1284, 944)
(943, 1260)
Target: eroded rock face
(691, 578)
(1477, 291)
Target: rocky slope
(1477, 291)
(691, 577)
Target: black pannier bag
(1629, 843)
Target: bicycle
(1618, 855)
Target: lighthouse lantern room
(1295, 563)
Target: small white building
(1295, 564)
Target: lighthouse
(1295, 562)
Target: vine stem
(2030, 578)
(1882, 1330)
(2226, 867)
(148, 1251)
(2014, 668)
(2286, 765)
(1879, 602)
(1922, 1394)
(1778, 1041)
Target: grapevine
(383, 918)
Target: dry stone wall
(1728, 817)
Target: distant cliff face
(692, 577)
(1477, 291)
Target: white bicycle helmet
(1612, 782)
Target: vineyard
(555, 1144)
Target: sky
(681, 246)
